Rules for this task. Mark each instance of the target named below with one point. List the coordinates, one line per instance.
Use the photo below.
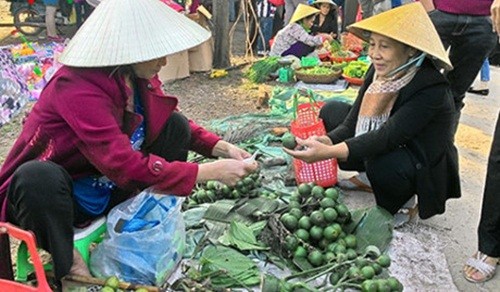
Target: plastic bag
(144, 242)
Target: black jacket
(330, 24)
(422, 121)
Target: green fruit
(211, 185)
(384, 261)
(361, 262)
(331, 247)
(338, 227)
(304, 190)
(369, 286)
(323, 243)
(368, 272)
(112, 282)
(248, 182)
(329, 256)
(330, 215)
(305, 222)
(315, 257)
(354, 272)
(342, 210)
(383, 286)
(226, 191)
(300, 252)
(235, 194)
(302, 234)
(341, 241)
(293, 205)
(394, 284)
(288, 141)
(291, 243)
(330, 233)
(295, 212)
(327, 203)
(350, 241)
(317, 218)
(351, 253)
(211, 196)
(378, 268)
(341, 257)
(334, 278)
(107, 289)
(317, 192)
(289, 221)
(201, 196)
(332, 193)
(316, 233)
(340, 249)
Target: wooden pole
(221, 34)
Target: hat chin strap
(418, 60)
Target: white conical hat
(121, 32)
(408, 24)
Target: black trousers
(392, 174)
(40, 195)
(489, 225)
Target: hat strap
(418, 60)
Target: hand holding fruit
(314, 150)
(227, 171)
(227, 150)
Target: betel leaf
(372, 226)
(241, 236)
(227, 267)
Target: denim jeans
(470, 40)
(266, 27)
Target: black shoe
(478, 91)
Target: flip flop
(405, 215)
(354, 184)
(478, 262)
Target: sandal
(405, 215)
(478, 263)
(355, 184)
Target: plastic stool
(83, 238)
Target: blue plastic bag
(144, 242)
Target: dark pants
(299, 50)
(392, 175)
(489, 225)
(40, 196)
(470, 39)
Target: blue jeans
(470, 39)
(485, 70)
(266, 27)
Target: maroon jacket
(80, 123)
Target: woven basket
(310, 78)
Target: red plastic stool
(29, 238)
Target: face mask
(418, 60)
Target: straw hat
(121, 32)
(302, 11)
(408, 24)
(314, 2)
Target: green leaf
(227, 267)
(242, 237)
(374, 227)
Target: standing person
(484, 79)
(265, 13)
(399, 129)
(464, 27)
(482, 265)
(327, 19)
(83, 10)
(290, 7)
(294, 39)
(103, 130)
(50, 20)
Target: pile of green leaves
(260, 70)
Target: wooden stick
(101, 282)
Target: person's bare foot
(79, 266)
(480, 268)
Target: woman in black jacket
(399, 129)
(327, 20)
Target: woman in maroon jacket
(103, 130)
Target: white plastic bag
(144, 242)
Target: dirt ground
(429, 254)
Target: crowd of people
(103, 130)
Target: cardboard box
(177, 67)
(201, 57)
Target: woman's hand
(325, 36)
(314, 150)
(227, 150)
(227, 171)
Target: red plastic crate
(307, 124)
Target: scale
(285, 73)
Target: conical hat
(120, 32)
(324, 1)
(302, 11)
(408, 24)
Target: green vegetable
(261, 69)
